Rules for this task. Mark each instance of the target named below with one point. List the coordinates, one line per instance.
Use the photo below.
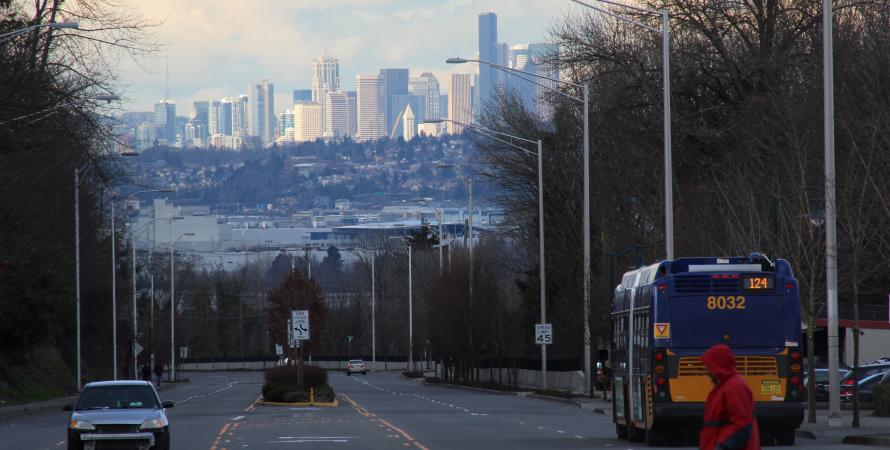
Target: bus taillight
(795, 380)
(658, 356)
(795, 368)
(795, 355)
(660, 381)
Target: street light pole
(173, 305)
(77, 268)
(410, 314)
(373, 316)
(668, 156)
(541, 271)
(834, 415)
(113, 296)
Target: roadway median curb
(301, 404)
(470, 388)
(874, 440)
(35, 407)
(805, 434)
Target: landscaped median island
(283, 387)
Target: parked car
(866, 386)
(356, 366)
(123, 414)
(864, 371)
(821, 382)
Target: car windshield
(117, 397)
(356, 361)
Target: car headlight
(153, 424)
(81, 425)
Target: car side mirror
(167, 404)
(68, 407)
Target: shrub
(882, 400)
(282, 384)
(313, 376)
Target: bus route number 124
(727, 302)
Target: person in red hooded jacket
(729, 422)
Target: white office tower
(261, 111)
(460, 101)
(409, 126)
(325, 78)
(351, 114)
(188, 136)
(239, 116)
(429, 129)
(426, 86)
(213, 118)
(336, 111)
(308, 121)
(369, 106)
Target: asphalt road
(216, 411)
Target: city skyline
(208, 61)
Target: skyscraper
(325, 78)
(308, 121)
(427, 87)
(336, 112)
(488, 38)
(165, 121)
(351, 114)
(200, 117)
(539, 62)
(285, 121)
(369, 104)
(239, 115)
(213, 118)
(409, 126)
(395, 82)
(460, 101)
(501, 58)
(261, 110)
(302, 95)
(226, 111)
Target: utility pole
(77, 269)
(373, 316)
(113, 296)
(410, 314)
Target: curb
(805, 434)
(35, 407)
(874, 440)
(299, 405)
(566, 401)
(470, 388)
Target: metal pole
(410, 314)
(668, 164)
(470, 231)
(113, 297)
(77, 269)
(151, 318)
(586, 228)
(441, 235)
(172, 310)
(373, 317)
(834, 416)
(135, 325)
(541, 269)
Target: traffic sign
(300, 324)
(662, 330)
(279, 350)
(544, 333)
(183, 352)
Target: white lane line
(237, 417)
(560, 432)
(578, 437)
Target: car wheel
(364, 373)
(348, 373)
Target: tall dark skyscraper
(395, 82)
(488, 52)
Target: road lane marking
(253, 405)
(361, 410)
(237, 417)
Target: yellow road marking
(361, 410)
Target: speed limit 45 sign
(544, 333)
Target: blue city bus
(681, 308)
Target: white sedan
(356, 366)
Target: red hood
(720, 361)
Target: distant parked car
(867, 386)
(356, 366)
(821, 382)
(119, 414)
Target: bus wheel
(654, 438)
(785, 438)
(621, 431)
(635, 434)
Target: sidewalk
(873, 431)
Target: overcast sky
(215, 48)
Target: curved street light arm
(618, 16)
(621, 5)
(486, 130)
